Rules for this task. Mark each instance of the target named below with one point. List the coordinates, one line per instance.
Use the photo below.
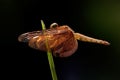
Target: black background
(90, 62)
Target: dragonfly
(62, 40)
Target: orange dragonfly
(62, 40)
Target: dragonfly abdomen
(85, 38)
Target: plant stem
(50, 57)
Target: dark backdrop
(99, 19)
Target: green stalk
(50, 57)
